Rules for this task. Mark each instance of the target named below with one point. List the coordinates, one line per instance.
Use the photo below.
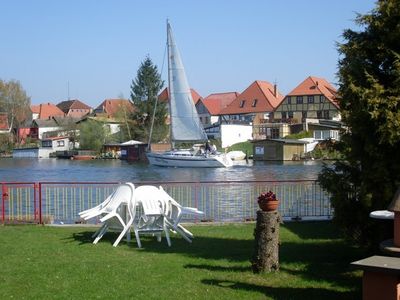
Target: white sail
(185, 122)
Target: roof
(284, 141)
(111, 107)
(47, 111)
(215, 103)
(260, 96)
(164, 95)
(65, 106)
(316, 86)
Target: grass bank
(61, 263)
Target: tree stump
(266, 248)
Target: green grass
(61, 263)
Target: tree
(15, 102)
(369, 76)
(144, 91)
(92, 135)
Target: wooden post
(266, 248)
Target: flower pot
(269, 205)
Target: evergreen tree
(369, 75)
(144, 92)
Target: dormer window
(254, 103)
(242, 102)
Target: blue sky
(91, 49)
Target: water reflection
(116, 170)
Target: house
(164, 96)
(114, 108)
(54, 126)
(46, 111)
(254, 105)
(229, 134)
(210, 107)
(314, 98)
(74, 108)
(279, 149)
(48, 147)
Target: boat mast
(169, 91)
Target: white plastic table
(382, 214)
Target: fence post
(40, 203)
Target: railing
(60, 202)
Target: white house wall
(46, 129)
(232, 134)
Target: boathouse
(279, 149)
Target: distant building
(279, 149)
(46, 111)
(209, 108)
(74, 108)
(314, 98)
(254, 105)
(114, 108)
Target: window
(304, 114)
(299, 99)
(310, 99)
(60, 143)
(289, 100)
(321, 98)
(319, 114)
(242, 102)
(290, 115)
(326, 114)
(284, 115)
(47, 143)
(254, 103)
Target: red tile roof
(315, 86)
(65, 106)
(111, 107)
(260, 96)
(164, 95)
(218, 101)
(47, 111)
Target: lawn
(40, 262)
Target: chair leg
(101, 233)
(166, 230)
(137, 238)
(125, 230)
(183, 234)
(97, 231)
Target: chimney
(316, 83)
(275, 91)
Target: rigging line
(155, 104)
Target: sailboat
(185, 125)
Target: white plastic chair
(85, 213)
(118, 214)
(152, 221)
(174, 213)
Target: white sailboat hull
(180, 159)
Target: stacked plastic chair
(116, 212)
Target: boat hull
(169, 159)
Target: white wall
(232, 134)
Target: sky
(91, 50)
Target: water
(41, 170)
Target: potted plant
(267, 201)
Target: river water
(42, 170)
